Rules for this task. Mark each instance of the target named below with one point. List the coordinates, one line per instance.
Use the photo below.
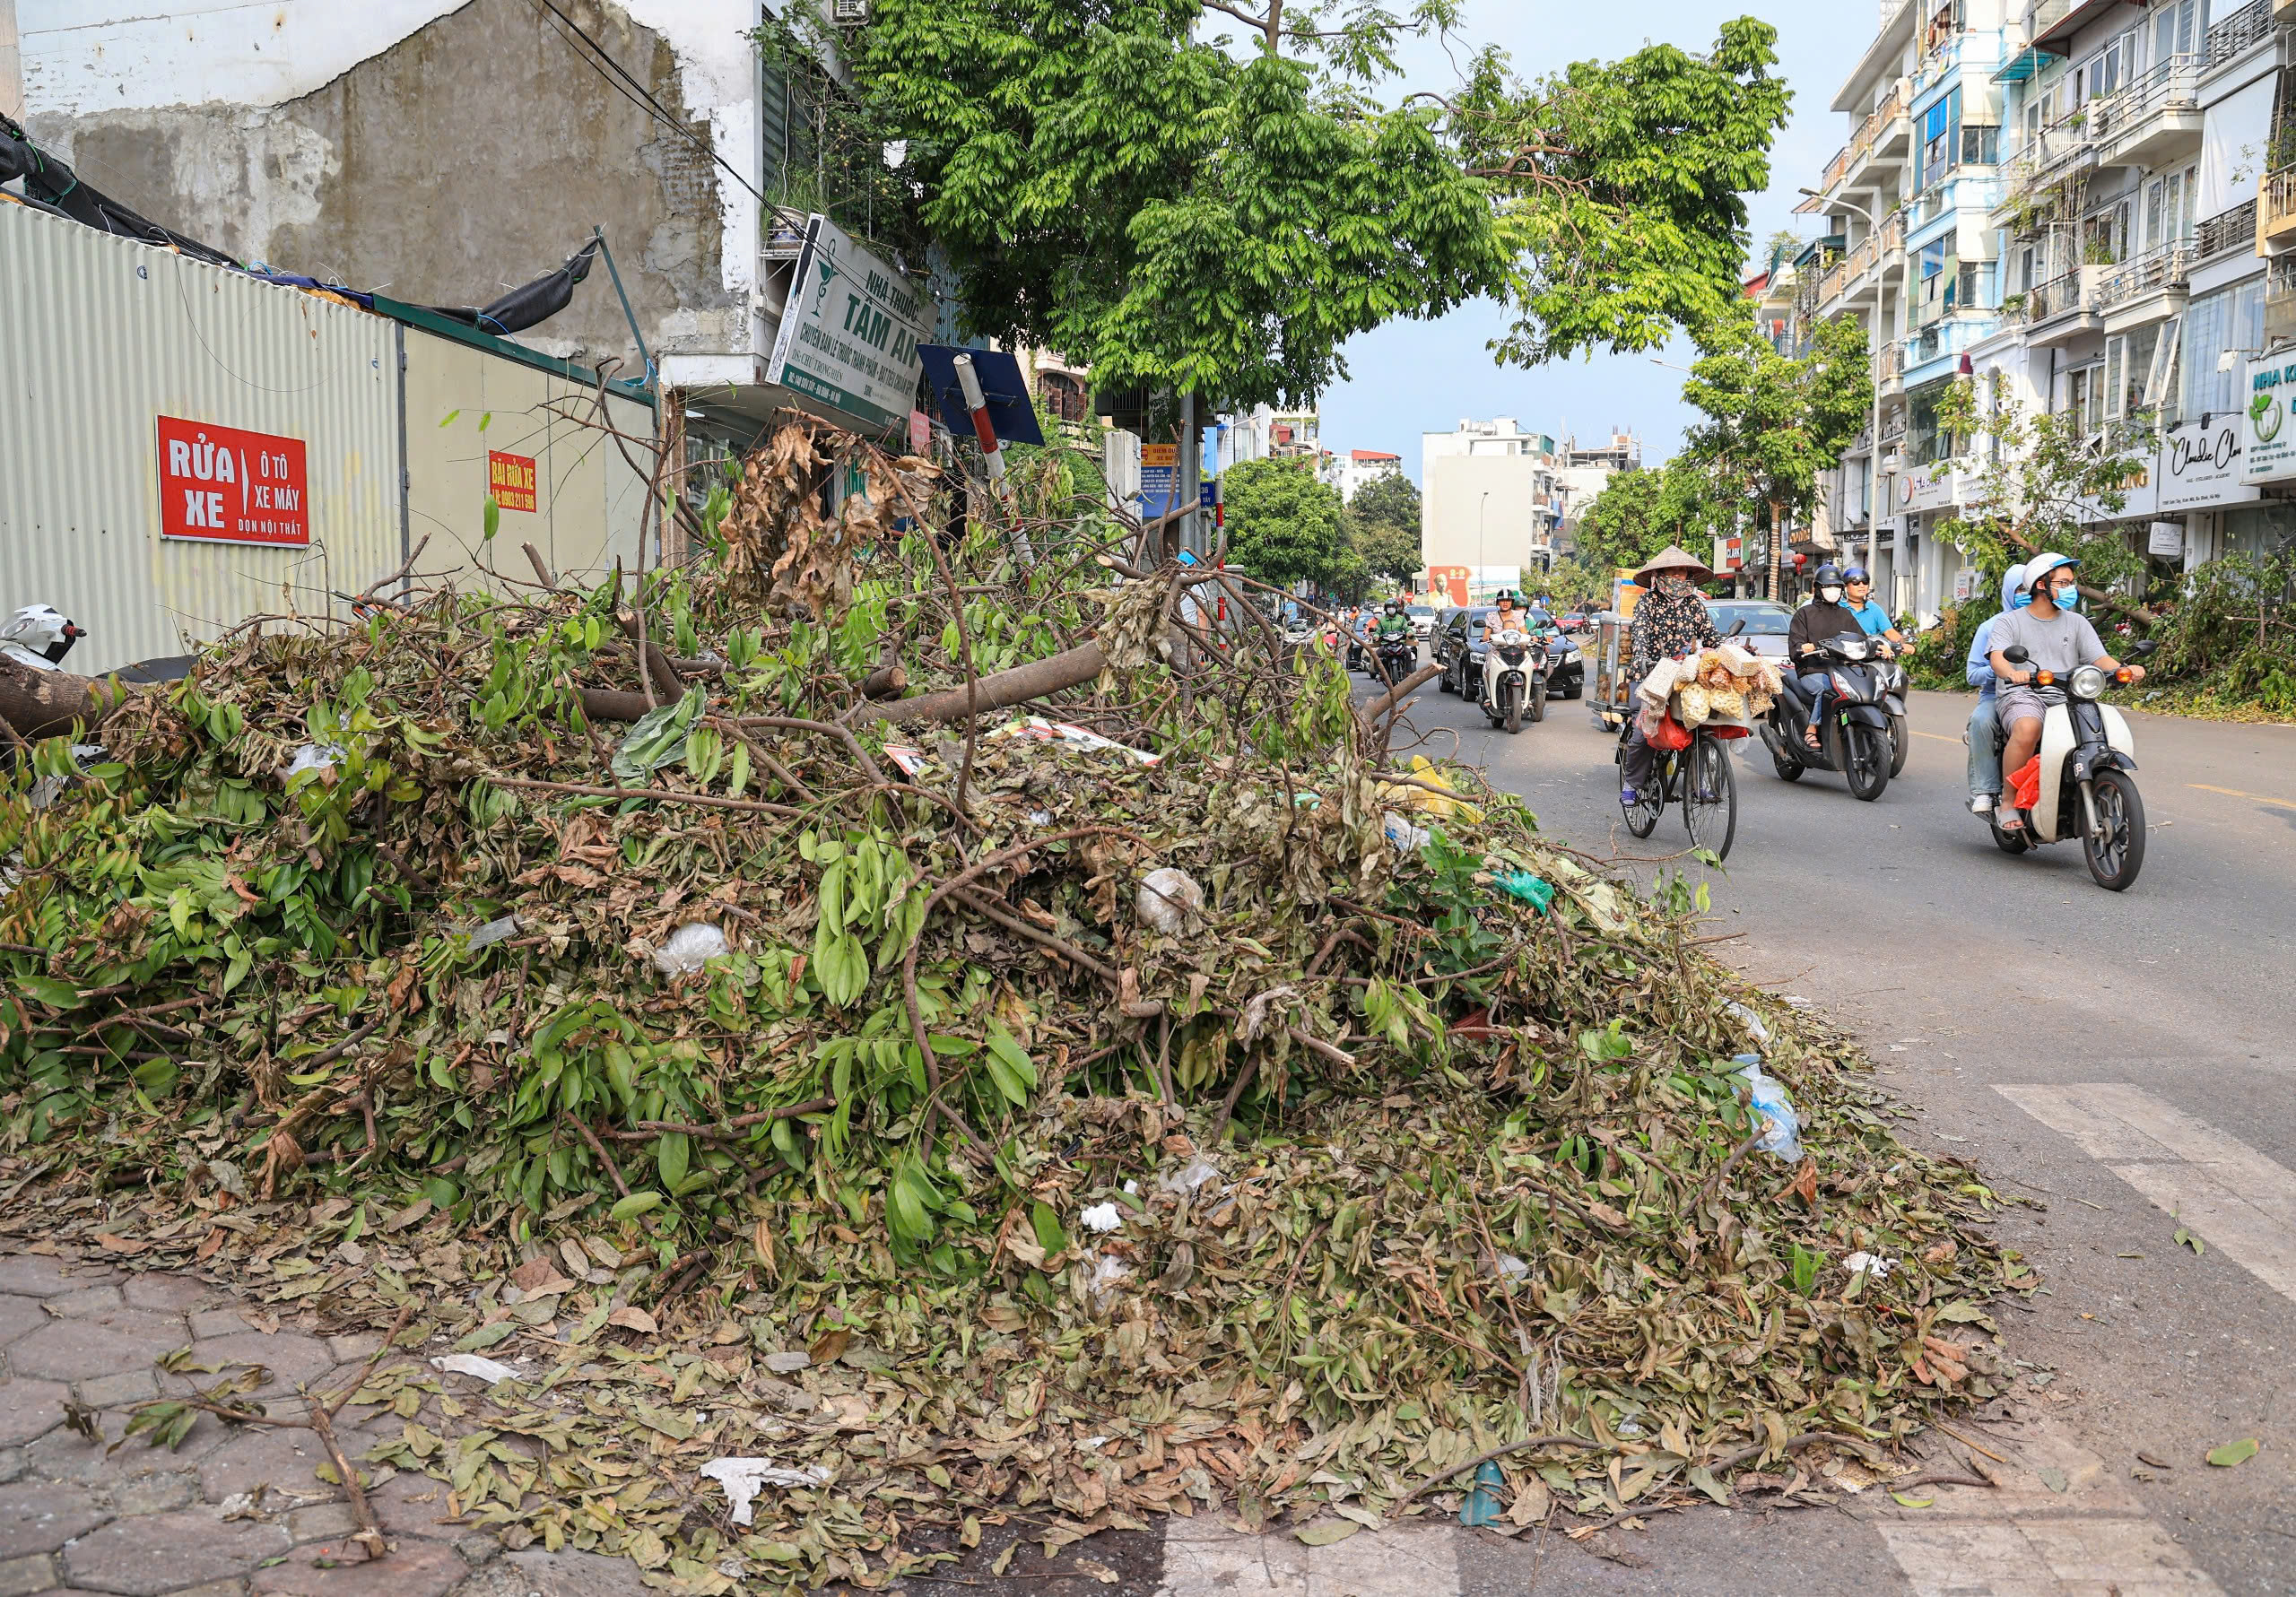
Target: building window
(2231, 319)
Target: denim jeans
(1985, 760)
(1638, 764)
(1817, 684)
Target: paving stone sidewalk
(235, 1511)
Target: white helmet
(38, 636)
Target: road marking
(2221, 1189)
(2236, 793)
(1935, 737)
(1203, 1558)
(2074, 1532)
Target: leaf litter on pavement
(1408, 1159)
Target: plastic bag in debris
(494, 932)
(1405, 836)
(471, 1364)
(1534, 890)
(1866, 1263)
(690, 948)
(1196, 1173)
(1101, 1217)
(1754, 1028)
(1038, 728)
(1167, 897)
(1108, 1279)
(744, 1478)
(913, 762)
(1767, 1097)
(314, 757)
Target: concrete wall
(1458, 527)
(12, 72)
(440, 153)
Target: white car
(1423, 619)
(1766, 621)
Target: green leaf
(2191, 1241)
(449, 419)
(491, 519)
(1907, 1500)
(636, 1204)
(671, 1155)
(1010, 1067)
(2235, 1453)
(1049, 1236)
(1324, 1533)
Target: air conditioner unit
(849, 13)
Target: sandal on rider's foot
(1810, 739)
(2012, 825)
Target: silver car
(1766, 621)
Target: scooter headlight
(1854, 651)
(2087, 681)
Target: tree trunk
(41, 704)
(1777, 547)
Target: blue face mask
(2023, 600)
(2067, 599)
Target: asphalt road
(2122, 1061)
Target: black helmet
(1395, 607)
(1507, 596)
(1858, 574)
(1829, 576)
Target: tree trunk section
(46, 703)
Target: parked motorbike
(1854, 738)
(1512, 680)
(2088, 781)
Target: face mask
(2022, 601)
(2067, 598)
(1675, 587)
(1830, 595)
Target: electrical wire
(631, 89)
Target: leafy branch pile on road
(1082, 1119)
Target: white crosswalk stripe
(2224, 1192)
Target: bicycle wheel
(1711, 798)
(1642, 815)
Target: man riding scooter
(1984, 766)
(2056, 638)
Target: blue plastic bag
(1766, 1096)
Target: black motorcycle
(1854, 738)
(1398, 658)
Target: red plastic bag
(2025, 785)
(1671, 735)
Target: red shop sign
(511, 479)
(222, 485)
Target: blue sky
(1410, 378)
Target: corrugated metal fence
(102, 339)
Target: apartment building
(1357, 467)
(2076, 198)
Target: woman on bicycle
(1670, 620)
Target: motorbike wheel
(1866, 761)
(2010, 842)
(2116, 858)
(1711, 798)
(1538, 700)
(1511, 704)
(1900, 744)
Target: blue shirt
(1979, 667)
(1872, 617)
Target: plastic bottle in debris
(1766, 1096)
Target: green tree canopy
(1773, 422)
(1284, 526)
(1382, 524)
(1201, 216)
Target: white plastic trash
(1101, 1217)
(472, 1364)
(1198, 1172)
(1754, 1028)
(1167, 897)
(1873, 1265)
(314, 757)
(690, 948)
(744, 1478)
(1406, 837)
(1782, 1129)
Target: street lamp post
(1874, 438)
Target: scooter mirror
(2144, 646)
(1737, 627)
(2016, 654)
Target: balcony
(2226, 231)
(2065, 308)
(2148, 288)
(2047, 160)
(2237, 34)
(1882, 136)
(2279, 298)
(2152, 121)
(1889, 371)
(2276, 211)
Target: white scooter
(1512, 678)
(2087, 770)
(38, 636)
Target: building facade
(1488, 500)
(2084, 205)
(1357, 467)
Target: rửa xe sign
(224, 485)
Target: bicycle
(1700, 777)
